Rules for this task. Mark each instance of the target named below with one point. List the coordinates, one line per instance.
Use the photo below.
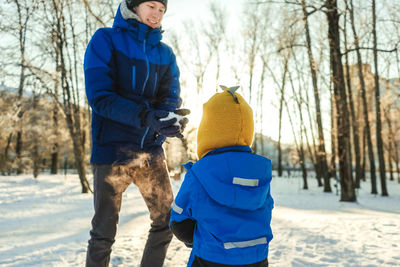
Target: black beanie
(132, 3)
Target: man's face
(151, 13)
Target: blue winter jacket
(227, 193)
(127, 70)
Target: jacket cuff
(184, 230)
(142, 115)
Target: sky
(181, 9)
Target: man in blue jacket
(132, 82)
(223, 208)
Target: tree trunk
(80, 163)
(343, 128)
(364, 160)
(365, 105)
(391, 137)
(333, 137)
(298, 99)
(54, 160)
(311, 150)
(55, 148)
(18, 151)
(299, 148)
(390, 163)
(321, 154)
(381, 153)
(5, 164)
(261, 97)
(36, 159)
(78, 148)
(23, 13)
(285, 68)
(395, 154)
(303, 167)
(395, 143)
(35, 149)
(354, 124)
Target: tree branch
(290, 47)
(369, 48)
(87, 5)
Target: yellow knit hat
(227, 121)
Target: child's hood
(235, 179)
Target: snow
(46, 222)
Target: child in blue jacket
(223, 208)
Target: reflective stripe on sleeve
(245, 244)
(245, 182)
(176, 208)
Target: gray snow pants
(150, 174)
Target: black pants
(199, 262)
(150, 175)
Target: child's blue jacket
(127, 70)
(227, 193)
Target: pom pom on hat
(227, 121)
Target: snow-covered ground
(46, 222)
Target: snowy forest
(330, 70)
(322, 78)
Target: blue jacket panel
(127, 70)
(227, 193)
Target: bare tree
(342, 116)
(285, 39)
(312, 150)
(260, 98)
(281, 102)
(197, 60)
(9, 111)
(323, 169)
(333, 134)
(354, 123)
(35, 146)
(253, 35)
(62, 37)
(215, 35)
(364, 101)
(24, 13)
(389, 111)
(381, 153)
(299, 147)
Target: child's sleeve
(184, 231)
(182, 222)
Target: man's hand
(152, 119)
(183, 121)
(170, 124)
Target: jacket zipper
(144, 84)
(147, 66)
